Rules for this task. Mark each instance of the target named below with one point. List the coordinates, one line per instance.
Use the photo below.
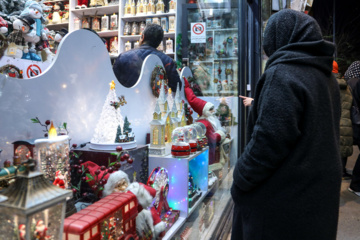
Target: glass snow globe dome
(180, 142)
(199, 131)
(192, 138)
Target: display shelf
(96, 10)
(203, 195)
(110, 33)
(143, 17)
(178, 170)
(172, 231)
(58, 25)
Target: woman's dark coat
(287, 181)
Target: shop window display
(179, 114)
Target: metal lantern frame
(31, 194)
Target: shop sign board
(198, 32)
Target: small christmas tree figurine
(118, 134)
(110, 119)
(127, 126)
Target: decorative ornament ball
(84, 194)
(74, 190)
(80, 171)
(110, 170)
(119, 148)
(117, 165)
(87, 170)
(104, 181)
(75, 166)
(83, 179)
(81, 161)
(47, 122)
(46, 135)
(94, 187)
(126, 156)
(74, 145)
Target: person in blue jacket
(127, 66)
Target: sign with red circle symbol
(33, 70)
(198, 32)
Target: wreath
(158, 75)
(3, 45)
(11, 71)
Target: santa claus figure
(22, 231)
(40, 230)
(117, 182)
(147, 221)
(59, 180)
(206, 110)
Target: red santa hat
(113, 179)
(145, 194)
(93, 167)
(200, 106)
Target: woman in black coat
(287, 181)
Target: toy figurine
(98, 3)
(22, 231)
(82, 4)
(59, 180)
(219, 86)
(40, 231)
(219, 70)
(117, 182)
(17, 44)
(3, 26)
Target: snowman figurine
(3, 26)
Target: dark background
(346, 19)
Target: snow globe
(192, 138)
(204, 133)
(199, 137)
(180, 142)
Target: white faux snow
(110, 119)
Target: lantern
(32, 208)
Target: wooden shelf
(98, 10)
(143, 17)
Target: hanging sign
(198, 32)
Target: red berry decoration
(117, 165)
(119, 148)
(101, 182)
(74, 145)
(126, 156)
(75, 166)
(110, 170)
(103, 168)
(130, 160)
(94, 187)
(84, 194)
(80, 171)
(47, 122)
(74, 190)
(97, 172)
(81, 161)
(46, 135)
(83, 179)
(104, 181)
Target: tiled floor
(349, 217)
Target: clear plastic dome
(203, 128)
(180, 135)
(192, 133)
(199, 130)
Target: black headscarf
(294, 36)
(353, 71)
